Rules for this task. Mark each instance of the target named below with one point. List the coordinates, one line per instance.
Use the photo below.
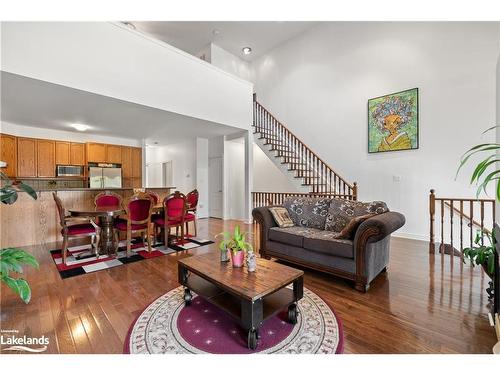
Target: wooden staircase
(317, 175)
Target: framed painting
(393, 122)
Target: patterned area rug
(167, 327)
(80, 260)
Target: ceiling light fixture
(246, 50)
(80, 127)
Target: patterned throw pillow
(307, 212)
(350, 229)
(342, 211)
(282, 217)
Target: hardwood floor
(421, 305)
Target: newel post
(432, 211)
(355, 191)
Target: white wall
(230, 63)
(234, 169)
(61, 135)
(318, 84)
(183, 157)
(266, 176)
(114, 60)
(202, 175)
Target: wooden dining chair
(72, 227)
(174, 213)
(137, 219)
(192, 204)
(108, 198)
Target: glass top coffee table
(250, 297)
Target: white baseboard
(411, 236)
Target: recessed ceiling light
(246, 50)
(80, 127)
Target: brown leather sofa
(360, 258)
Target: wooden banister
(475, 212)
(315, 172)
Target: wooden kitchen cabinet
(96, 152)
(46, 158)
(63, 153)
(126, 162)
(136, 162)
(113, 154)
(8, 154)
(77, 154)
(26, 157)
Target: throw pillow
(282, 217)
(350, 229)
(307, 212)
(341, 212)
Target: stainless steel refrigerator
(105, 177)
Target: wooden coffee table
(250, 297)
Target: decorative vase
(251, 261)
(237, 258)
(224, 255)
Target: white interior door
(215, 187)
(167, 173)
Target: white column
(248, 174)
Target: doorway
(215, 187)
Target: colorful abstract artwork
(393, 122)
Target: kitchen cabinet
(46, 158)
(113, 154)
(63, 153)
(126, 162)
(77, 154)
(96, 152)
(26, 157)
(8, 154)
(136, 162)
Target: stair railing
(316, 173)
(457, 220)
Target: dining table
(106, 215)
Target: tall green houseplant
(485, 173)
(13, 259)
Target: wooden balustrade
(261, 198)
(317, 174)
(458, 220)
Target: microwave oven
(69, 171)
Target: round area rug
(167, 327)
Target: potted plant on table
(12, 259)
(236, 244)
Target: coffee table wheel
(187, 297)
(252, 339)
(292, 313)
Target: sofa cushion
(326, 242)
(281, 217)
(341, 212)
(308, 212)
(289, 235)
(350, 229)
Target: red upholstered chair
(137, 220)
(72, 227)
(174, 208)
(154, 197)
(108, 198)
(192, 204)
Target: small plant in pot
(236, 244)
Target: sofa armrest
(378, 227)
(263, 216)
